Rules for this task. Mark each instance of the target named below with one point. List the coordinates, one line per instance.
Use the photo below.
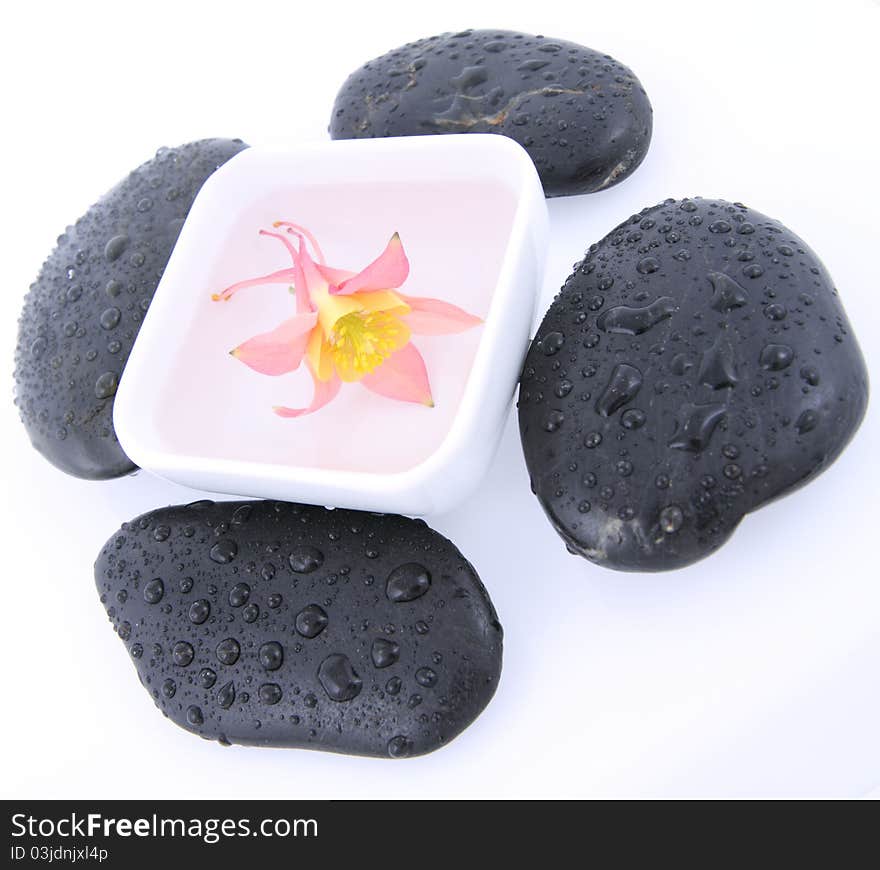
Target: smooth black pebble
(704, 384)
(584, 118)
(391, 655)
(82, 314)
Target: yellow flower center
(362, 340)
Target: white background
(753, 673)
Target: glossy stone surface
(583, 117)
(259, 647)
(696, 365)
(82, 314)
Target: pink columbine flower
(348, 326)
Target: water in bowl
(214, 406)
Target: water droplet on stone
(624, 320)
(394, 685)
(623, 386)
(624, 468)
(105, 385)
(647, 265)
(553, 421)
(153, 591)
(384, 652)
(727, 294)
(775, 357)
(806, 422)
(339, 679)
(226, 695)
(716, 367)
(532, 65)
(311, 621)
(239, 594)
(224, 551)
(269, 693)
(552, 343)
(469, 77)
(407, 582)
(199, 611)
(732, 471)
(426, 677)
(633, 418)
(241, 514)
(228, 651)
(182, 654)
(306, 559)
(399, 747)
(271, 655)
(563, 388)
(110, 318)
(114, 248)
(810, 375)
(698, 424)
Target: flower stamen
(362, 340)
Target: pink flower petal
(292, 275)
(284, 276)
(315, 282)
(436, 317)
(334, 276)
(279, 351)
(301, 286)
(387, 271)
(403, 377)
(325, 391)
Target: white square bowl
(471, 213)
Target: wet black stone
(339, 676)
(82, 314)
(727, 377)
(583, 117)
